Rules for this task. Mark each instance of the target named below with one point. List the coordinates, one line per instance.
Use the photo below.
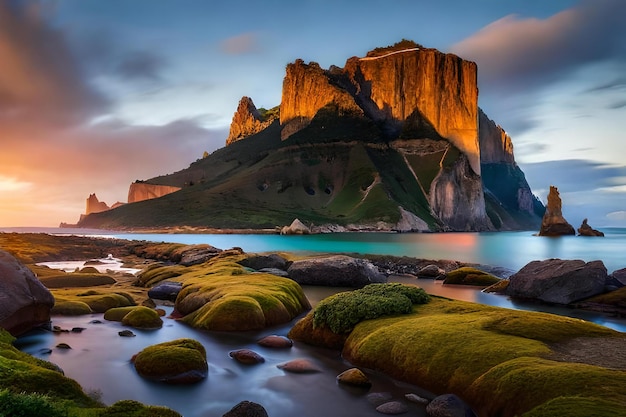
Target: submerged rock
(247, 409)
(275, 341)
(392, 408)
(299, 366)
(246, 356)
(181, 361)
(354, 376)
(335, 271)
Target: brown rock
(275, 341)
(553, 222)
(299, 366)
(586, 230)
(354, 376)
(24, 301)
(247, 409)
(247, 121)
(246, 356)
(140, 191)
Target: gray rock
(378, 398)
(558, 281)
(25, 302)
(198, 255)
(620, 276)
(392, 407)
(258, 262)
(430, 271)
(414, 398)
(126, 333)
(335, 271)
(275, 271)
(247, 409)
(449, 405)
(166, 290)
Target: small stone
(45, 351)
(275, 341)
(392, 407)
(77, 329)
(95, 322)
(246, 356)
(354, 376)
(299, 366)
(378, 398)
(414, 398)
(63, 346)
(247, 409)
(126, 333)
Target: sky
(95, 94)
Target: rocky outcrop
(295, 228)
(335, 271)
(93, 205)
(586, 230)
(390, 88)
(140, 191)
(553, 222)
(496, 146)
(247, 121)
(558, 281)
(24, 302)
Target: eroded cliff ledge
(140, 191)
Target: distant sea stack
(553, 222)
(391, 141)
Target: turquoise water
(511, 250)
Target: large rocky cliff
(391, 141)
(140, 191)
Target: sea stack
(553, 222)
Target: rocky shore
(477, 359)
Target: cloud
(141, 65)
(517, 53)
(242, 44)
(40, 77)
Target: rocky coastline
(272, 294)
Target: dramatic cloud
(141, 65)
(245, 43)
(516, 53)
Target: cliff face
(140, 191)
(496, 146)
(246, 121)
(93, 205)
(389, 89)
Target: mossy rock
(143, 318)
(118, 313)
(220, 295)
(156, 273)
(98, 301)
(578, 407)
(130, 408)
(179, 361)
(70, 308)
(75, 279)
(495, 359)
(470, 276)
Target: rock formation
(24, 302)
(553, 222)
(586, 230)
(140, 191)
(93, 205)
(247, 121)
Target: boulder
(166, 290)
(299, 366)
(470, 276)
(25, 302)
(553, 222)
(142, 317)
(181, 361)
(449, 405)
(392, 408)
(620, 275)
(335, 271)
(247, 409)
(258, 262)
(431, 271)
(586, 230)
(275, 271)
(296, 228)
(198, 255)
(558, 281)
(276, 341)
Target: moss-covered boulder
(500, 361)
(77, 279)
(72, 301)
(117, 313)
(470, 276)
(181, 361)
(142, 317)
(222, 295)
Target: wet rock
(299, 366)
(258, 262)
(95, 322)
(126, 333)
(275, 341)
(77, 329)
(246, 356)
(414, 398)
(63, 346)
(247, 409)
(392, 408)
(275, 271)
(24, 301)
(45, 351)
(620, 276)
(431, 271)
(335, 271)
(586, 230)
(449, 405)
(558, 281)
(166, 290)
(181, 361)
(354, 376)
(378, 398)
(553, 222)
(198, 254)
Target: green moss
(98, 301)
(76, 279)
(516, 386)
(470, 276)
(143, 318)
(167, 359)
(118, 313)
(130, 408)
(341, 312)
(70, 308)
(578, 407)
(154, 274)
(27, 405)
